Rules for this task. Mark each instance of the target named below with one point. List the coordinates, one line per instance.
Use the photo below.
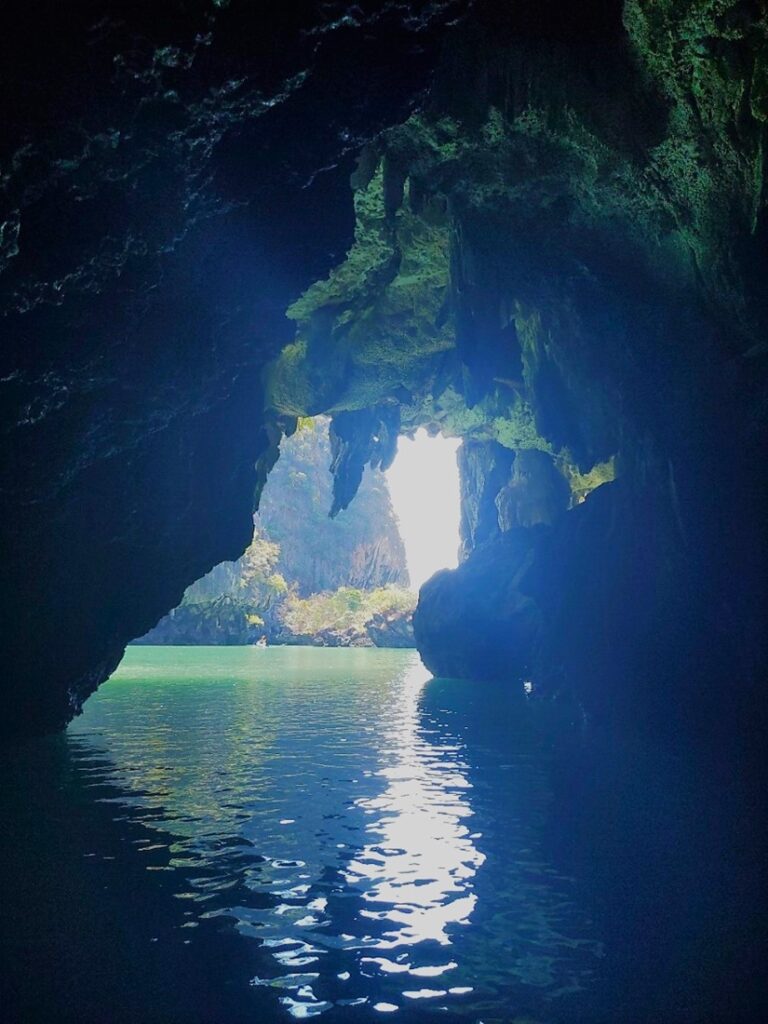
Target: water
(235, 834)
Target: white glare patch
(424, 485)
(528, 686)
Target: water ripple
(332, 807)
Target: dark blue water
(234, 834)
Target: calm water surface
(244, 834)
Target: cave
(537, 229)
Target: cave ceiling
(562, 228)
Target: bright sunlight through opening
(424, 485)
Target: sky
(424, 485)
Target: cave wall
(171, 177)
(560, 249)
(642, 332)
(563, 252)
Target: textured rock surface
(171, 177)
(563, 249)
(566, 248)
(477, 622)
(484, 468)
(297, 549)
(393, 629)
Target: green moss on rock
(515, 241)
(375, 326)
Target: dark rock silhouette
(558, 247)
(172, 178)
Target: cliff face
(360, 547)
(297, 551)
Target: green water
(295, 832)
(232, 835)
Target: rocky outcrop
(385, 629)
(481, 620)
(297, 551)
(348, 617)
(158, 172)
(477, 622)
(392, 629)
(224, 620)
(563, 254)
(619, 605)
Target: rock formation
(297, 551)
(560, 249)
(360, 547)
(171, 177)
(559, 258)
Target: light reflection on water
(415, 872)
(373, 837)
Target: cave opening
(425, 489)
(310, 578)
(349, 579)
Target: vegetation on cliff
(351, 617)
(305, 577)
(509, 236)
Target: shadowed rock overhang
(557, 252)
